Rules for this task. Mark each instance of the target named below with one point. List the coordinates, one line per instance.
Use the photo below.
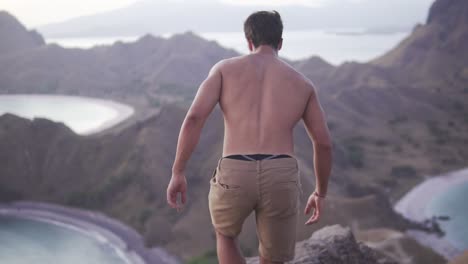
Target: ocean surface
(83, 115)
(25, 241)
(335, 46)
(453, 203)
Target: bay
(452, 203)
(26, 241)
(82, 114)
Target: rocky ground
(334, 244)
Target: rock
(333, 245)
(399, 246)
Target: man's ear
(250, 44)
(280, 44)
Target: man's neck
(265, 50)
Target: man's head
(264, 28)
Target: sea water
(335, 47)
(453, 203)
(25, 241)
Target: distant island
(163, 16)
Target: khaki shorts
(269, 187)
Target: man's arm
(205, 100)
(316, 126)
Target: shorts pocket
(220, 191)
(225, 204)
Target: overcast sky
(38, 12)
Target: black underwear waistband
(257, 156)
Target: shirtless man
(262, 98)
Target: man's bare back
(262, 99)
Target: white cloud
(356, 1)
(309, 3)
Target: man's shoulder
(296, 75)
(232, 61)
(229, 63)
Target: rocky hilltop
(392, 125)
(15, 37)
(336, 244)
(435, 52)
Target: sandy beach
(127, 243)
(123, 113)
(414, 203)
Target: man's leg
(277, 212)
(228, 250)
(264, 261)
(231, 199)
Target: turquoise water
(83, 115)
(454, 203)
(24, 241)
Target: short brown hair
(264, 28)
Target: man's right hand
(314, 202)
(178, 184)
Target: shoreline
(127, 243)
(413, 205)
(122, 111)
